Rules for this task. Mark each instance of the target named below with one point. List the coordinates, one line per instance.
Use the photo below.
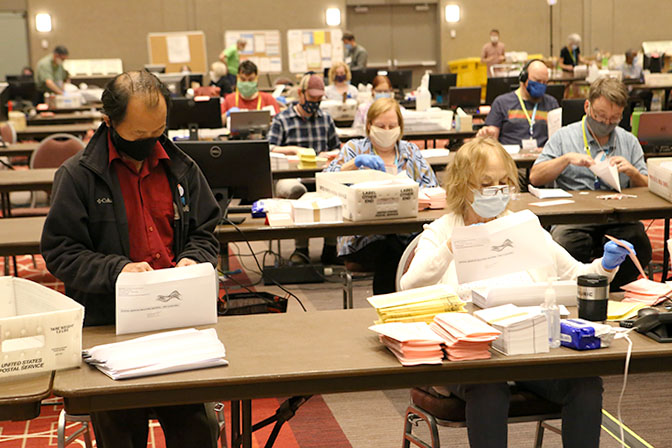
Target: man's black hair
(248, 67)
(61, 50)
(122, 87)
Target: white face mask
(384, 138)
(494, 39)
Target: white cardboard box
(40, 329)
(370, 194)
(166, 298)
(660, 176)
(310, 209)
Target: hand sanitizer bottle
(552, 312)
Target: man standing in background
(231, 57)
(493, 51)
(355, 55)
(51, 74)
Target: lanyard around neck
(258, 100)
(530, 120)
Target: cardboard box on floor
(370, 194)
(40, 329)
(660, 176)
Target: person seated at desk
(382, 149)
(519, 117)
(339, 87)
(219, 78)
(247, 95)
(478, 185)
(566, 159)
(570, 54)
(305, 125)
(632, 68)
(50, 74)
(381, 88)
(131, 201)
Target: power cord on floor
(625, 383)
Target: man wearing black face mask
(131, 201)
(566, 159)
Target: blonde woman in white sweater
(478, 185)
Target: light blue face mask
(379, 95)
(490, 206)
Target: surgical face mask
(340, 78)
(247, 88)
(574, 47)
(494, 39)
(348, 47)
(379, 95)
(536, 89)
(384, 138)
(311, 107)
(136, 149)
(490, 202)
(600, 129)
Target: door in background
(15, 56)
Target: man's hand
(142, 266)
(488, 131)
(622, 164)
(185, 262)
(574, 158)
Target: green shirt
(47, 69)
(232, 59)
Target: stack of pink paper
(465, 336)
(646, 291)
(434, 198)
(412, 343)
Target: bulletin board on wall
(177, 49)
(262, 48)
(314, 49)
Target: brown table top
(49, 129)
(422, 135)
(20, 397)
(20, 236)
(27, 180)
(324, 352)
(64, 118)
(19, 149)
(67, 110)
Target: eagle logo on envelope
(512, 243)
(173, 295)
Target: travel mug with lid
(593, 297)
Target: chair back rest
(54, 150)
(405, 261)
(211, 91)
(8, 133)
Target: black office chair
(572, 110)
(557, 91)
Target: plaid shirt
(291, 129)
(409, 160)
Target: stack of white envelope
(433, 198)
(465, 336)
(416, 305)
(172, 351)
(412, 343)
(524, 329)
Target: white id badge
(530, 144)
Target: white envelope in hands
(166, 298)
(607, 173)
(513, 243)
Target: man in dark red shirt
(131, 201)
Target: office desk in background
(345, 134)
(66, 110)
(42, 131)
(23, 180)
(64, 118)
(324, 352)
(20, 397)
(18, 149)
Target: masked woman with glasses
(339, 83)
(479, 183)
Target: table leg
(247, 423)
(666, 254)
(224, 257)
(235, 422)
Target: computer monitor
(362, 76)
(499, 86)
(4, 99)
(655, 129)
(187, 113)
(325, 73)
(155, 68)
(440, 84)
(464, 97)
(557, 91)
(401, 79)
(239, 169)
(572, 110)
(174, 82)
(247, 122)
(22, 88)
(189, 78)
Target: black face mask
(136, 149)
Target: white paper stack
(172, 351)
(524, 330)
(311, 208)
(412, 343)
(465, 336)
(436, 156)
(433, 198)
(547, 193)
(523, 294)
(416, 305)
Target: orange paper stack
(412, 343)
(433, 198)
(465, 336)
(647, 292)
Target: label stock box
(370, 194)
(40, 329)
(660, 176)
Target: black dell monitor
(440, 84)
(192, 114)
(464, 97)
(500, 86)
(22, 88)
(401, 79)
(237, 169)
(361, 76)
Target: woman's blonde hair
(334, 67)
(379, 107)
(463, 173)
